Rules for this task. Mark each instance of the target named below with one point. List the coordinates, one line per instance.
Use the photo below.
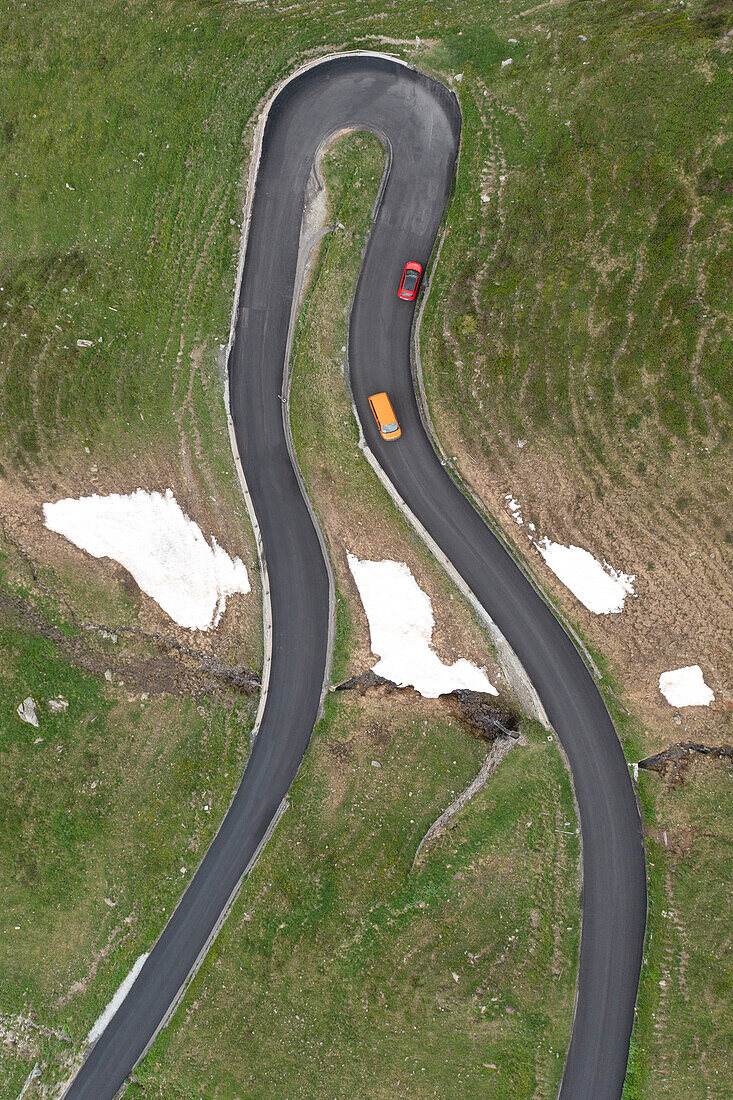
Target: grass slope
(582, 307)
(105, 810)
(342, 973)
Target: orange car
(384, 416)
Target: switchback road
(419, 122)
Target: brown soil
(169, 667)
(674, 762)
(659, 527)
(99, 592)
(456, 633)
(485, 716)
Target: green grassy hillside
(576, 349)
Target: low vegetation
(105, 809)
(575, 347)
(684, 1029)
(577, 340)
(343, 973)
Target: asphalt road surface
(419, 121)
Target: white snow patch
(600, 588)
(401, 625)
(515, 508)
(101, 1022)
(160, 545)
(685, 687)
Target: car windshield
(389, 428)
(410, 280)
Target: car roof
(382, 407)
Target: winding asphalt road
(419, 122)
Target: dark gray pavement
(420, 122)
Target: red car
(410, 282)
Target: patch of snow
(101, 1022)
(685, 687)
(515, 508)
(401, 625)
(163, 549)
(600, 588)
(27, 711)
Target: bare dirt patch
(455, 634)
(86, 590)
(684, 603)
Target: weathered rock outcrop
(674, 761)
(484, 715)
(173, 668)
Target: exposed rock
(238, 676)
(174, 668)
(58, 705)
(366, 680)
(674, 761)
(498, 751)
(482, 714)
(27, 711)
